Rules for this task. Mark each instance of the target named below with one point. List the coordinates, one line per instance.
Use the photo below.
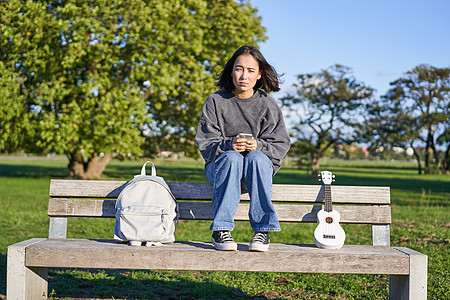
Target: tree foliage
(14, 119)
(96, 78)
(327, 106)
(414, 113)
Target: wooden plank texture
(203, 191)
(82, 253)
(68, 207)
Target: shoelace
(225, 236)
(260, 237)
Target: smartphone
(245, 136)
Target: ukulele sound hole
(329, 220)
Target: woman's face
(245, 75)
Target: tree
(444, 140)
(327, 107)
(414, 113)
(14, 119)
(99, 77)
(217, 31)
(387, 126)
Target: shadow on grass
(29, 171)
(361, 180)
(370, 165)
(170, 173)
(433, 192)
(183, 174)
(126, 284)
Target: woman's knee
(256, 157)
(231, 157)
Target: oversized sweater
(224, 116)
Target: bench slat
(65, 207)
(203, 191)
(84, 253)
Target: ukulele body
(329, 234)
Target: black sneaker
(260, 241)
(222, 240)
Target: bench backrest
(293, 203)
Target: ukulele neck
(327, 198)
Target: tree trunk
(76, 165)
(446, 161)
(428, 153)
(92, 169)
(315, 166)
(97, 165)
(437, 159)
(417, 156)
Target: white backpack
(146, 211)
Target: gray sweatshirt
(224, 116)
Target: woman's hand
(244, 144)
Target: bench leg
(24, 282)
(413, 286)
(57, 228)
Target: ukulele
(328, 234)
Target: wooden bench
(28, 261)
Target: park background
(47, 123)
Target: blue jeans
(255, 172)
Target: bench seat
(201, 256)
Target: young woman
(243, 105)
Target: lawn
(420, 221)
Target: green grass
(420, 221)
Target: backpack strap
(153, 169)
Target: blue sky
(380, 40)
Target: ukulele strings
(328, 209)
